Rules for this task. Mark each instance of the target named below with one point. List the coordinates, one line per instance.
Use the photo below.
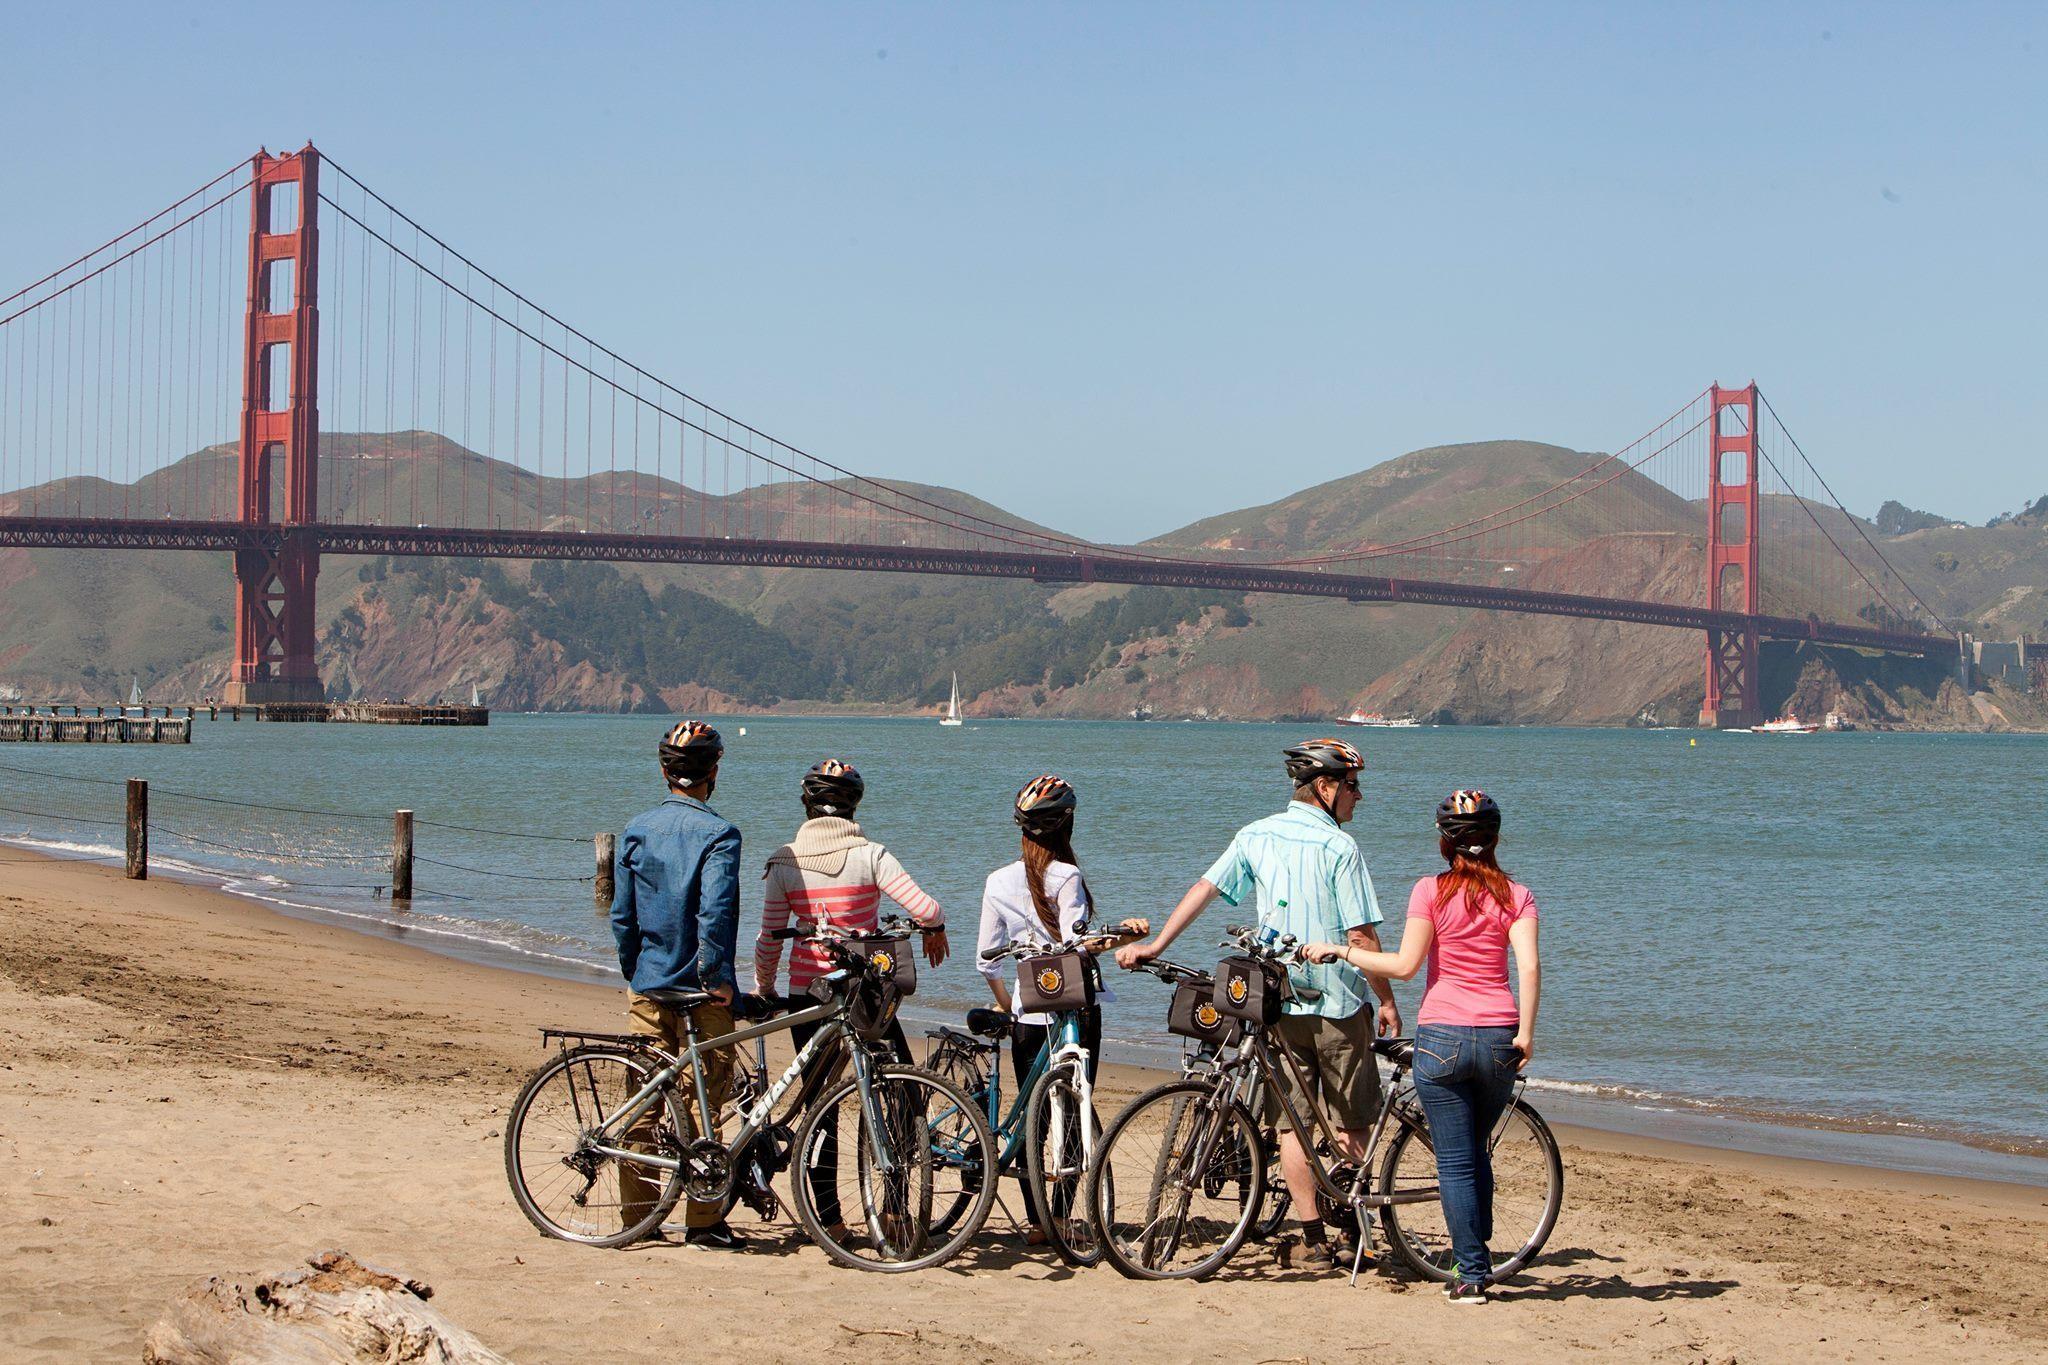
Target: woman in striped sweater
(831, 873)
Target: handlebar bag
(1054, 982)
(890, 956)
(1250, 988)
(1193, 1013)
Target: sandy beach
(197, 1085)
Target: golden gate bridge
(167, 389)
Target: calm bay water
(1841, 929)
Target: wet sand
(192, 1084)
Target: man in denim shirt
(675, 914)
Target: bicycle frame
(832, 1029)
(1263, 1054)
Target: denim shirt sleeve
(625, 913)
(718, 912)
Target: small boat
(1837, 721)
(952, 716)
(1787, 724)
(1141, 712)
(1375, 720)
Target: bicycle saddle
(991, 1023)
(1396, 1050)
(678, 998)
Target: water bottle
(1268, 935)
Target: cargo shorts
(1336, 1059)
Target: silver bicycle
(604, 1138)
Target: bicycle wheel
(961, 1069)
(563, 1185)
(898, 1165)
(1273, 1209)
(1279, 1202)
(1528, 1191)
(1177, 1182)
(1057, 1165)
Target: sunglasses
(1349, 784)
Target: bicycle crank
(707, 1171)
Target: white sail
(952, 716)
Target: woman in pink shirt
(1472, 1036)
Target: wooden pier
(77, 729)
(25, 718)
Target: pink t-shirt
(1468, 960)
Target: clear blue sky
(1119, 266)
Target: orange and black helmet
(1046, 804)
(689, 751)
(832, 787)
(1469, 819)
(1316, 758)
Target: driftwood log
(332, 1311)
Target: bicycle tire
(1211, 1112)
(1272, 1214)
(1279, 1200)
(1541, 1152)
(956, 1108)
(961, 1069)
(522, 1169)
(1057, 1211)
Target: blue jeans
(1465, 1078)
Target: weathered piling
(138, 829)
(401, 856)
(607, 851)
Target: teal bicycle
(1050, 1134)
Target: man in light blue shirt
(1310, 881)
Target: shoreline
(1716, 1124)
(201, 1086)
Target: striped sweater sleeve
(774, 916)
(897, 886)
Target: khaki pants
(638, 1188)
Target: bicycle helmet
(689, 752)
(1470, 820)
(832, 787)
(1045, 804)
(1316, 758)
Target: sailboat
(952, 716)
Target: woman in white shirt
(1043, 897)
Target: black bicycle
(1183, 1171)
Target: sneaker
(1313, 1257)
(718, 1237)
(1466, 1291)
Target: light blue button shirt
(1311, 882)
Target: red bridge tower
(1733, 522)
(280, 424)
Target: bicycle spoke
(1175, 1179)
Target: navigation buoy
(1691, 743)
(743, 732)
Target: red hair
(1478, 875)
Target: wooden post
(138, 830)
(607, 850)
(401, 856)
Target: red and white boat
(1787, 724)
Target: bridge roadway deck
(1107, 566)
